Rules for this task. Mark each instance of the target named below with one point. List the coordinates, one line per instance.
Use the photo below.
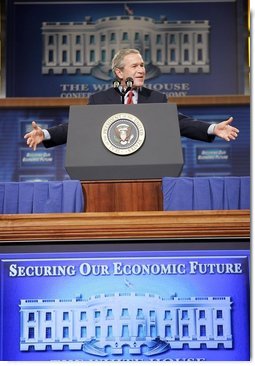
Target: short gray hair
(118, 59)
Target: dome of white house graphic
(145, 323)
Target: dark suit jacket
(189, 127)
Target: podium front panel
(160, 154)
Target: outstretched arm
(35, 136)
(225, 131)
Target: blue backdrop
(227, 45)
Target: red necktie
(130, 97)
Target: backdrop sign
(154, 306)
(188, 47)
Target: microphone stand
(123, 92)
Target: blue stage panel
(164, 305)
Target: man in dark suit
(128, 64)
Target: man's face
(134, 68)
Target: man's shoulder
(149, 91)
(153, 94)
(102, 96)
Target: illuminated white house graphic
(88, 47)
(145, 323)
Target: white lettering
(74, 87)
(101, 87)
(169, 87)
(212, 268)
(94, 269)
(148, 269)
(41, 271)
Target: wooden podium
(123, 195)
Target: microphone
(116, 84)
(129, 83)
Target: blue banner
(142, 305)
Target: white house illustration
(87, 47)
(147, 323)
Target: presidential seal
(123, 134)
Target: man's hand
(34, 137)
(225, 131)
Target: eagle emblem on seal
(123, 133)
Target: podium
(121, 152)
(123, 195)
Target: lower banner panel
(144, 305)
